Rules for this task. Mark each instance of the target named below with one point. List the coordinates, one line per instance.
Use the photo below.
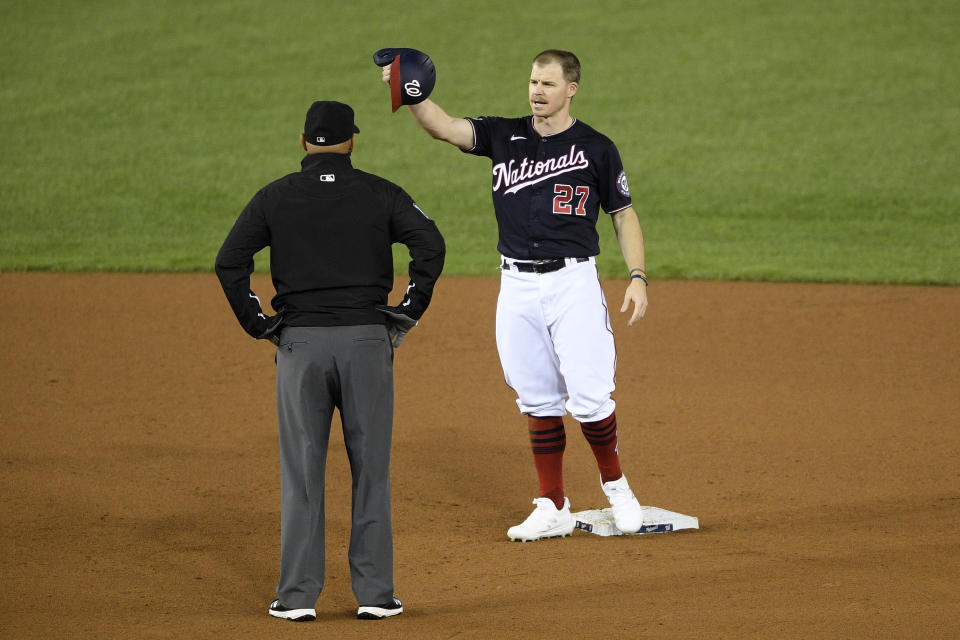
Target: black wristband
(641, 277)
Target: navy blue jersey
(548, 190)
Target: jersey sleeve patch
(622, 185)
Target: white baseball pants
(555, 342)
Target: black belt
(539, 266)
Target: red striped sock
(548, 441)
(602, 436)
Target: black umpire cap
(329, 122)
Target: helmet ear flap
(385, 56)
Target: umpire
(330, 228)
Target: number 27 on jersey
(564, 196)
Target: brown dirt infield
(813, 429)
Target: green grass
(763, 140)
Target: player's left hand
(637, 294)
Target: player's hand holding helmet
(412, 74)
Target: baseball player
(552, 174)
(330, 228)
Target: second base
(599, 522)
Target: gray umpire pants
(320, 369)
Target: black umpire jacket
(330, 229)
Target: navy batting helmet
(412, 74)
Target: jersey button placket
(538, 202)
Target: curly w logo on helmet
(412, 88)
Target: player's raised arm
(436, 122)
(410, 74)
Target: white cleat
(546, 521)
(627, 512)
(277, 610)
(380, 611)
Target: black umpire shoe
(380, 611)
(277, 610)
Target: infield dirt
(813, 430)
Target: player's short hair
(566, 59)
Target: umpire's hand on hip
(398, 324)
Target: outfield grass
(763, 140)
